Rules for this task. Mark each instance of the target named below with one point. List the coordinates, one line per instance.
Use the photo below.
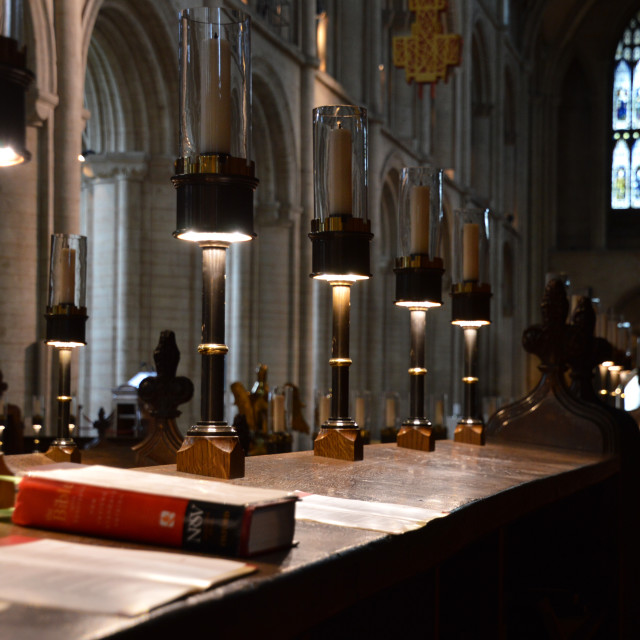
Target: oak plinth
(341, 444)
(63, 453)
(214, 456)
(419, 438)
(469, 433)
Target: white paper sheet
(375, 516)
(110, 580)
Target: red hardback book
(201, 515)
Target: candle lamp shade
(215, 177)
(340, 230)
(14, 82)
(471, 291)
(419, 268)
(66, 314)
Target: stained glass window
(625, 120)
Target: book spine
(130, 515)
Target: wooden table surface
(480, 488)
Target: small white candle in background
(439, 412)
(419, 208)
(360, 412)
(278, 413)
(215, 97)
(65, 277)
(470, 236)
(324, 409)
(575, 298)
(340, 193)
(390, 413)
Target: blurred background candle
(390, 412)
(278, 412)
(420, 219)
(470, 237)
(340, 196)
(324, 409)
(215, 82)
(360, 412)
(65, 278)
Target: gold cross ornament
(428, 52)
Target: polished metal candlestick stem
(63, 398)
(470, 378)
(417, 369)
(340, 360)
(213, 348)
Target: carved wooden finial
(164, 392)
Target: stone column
(68, 116)
(312, 347)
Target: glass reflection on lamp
(471, 295)
(66, 318)
(214, 184)
(14, 81)
(340, 237)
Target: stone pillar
(313, 351)
(68, 116)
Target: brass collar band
(417, 371)
(470, 287)
(418, 261)
(219, 163)
(341, 223)
(211, 349)
(66, 310)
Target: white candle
(470, 236)
(65, 277)
(360, 412)
(419, 208)
(439, 412)
(278, 413)
(215, 97)
(340, 195)
(390, 413)
(324, 409)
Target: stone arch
(130, 91)
(390, 180)
(276, 158)
(41, 51)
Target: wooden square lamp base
(341, 444)
(215, 456)
(469, 433)
(63, 453)
(419, 438)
